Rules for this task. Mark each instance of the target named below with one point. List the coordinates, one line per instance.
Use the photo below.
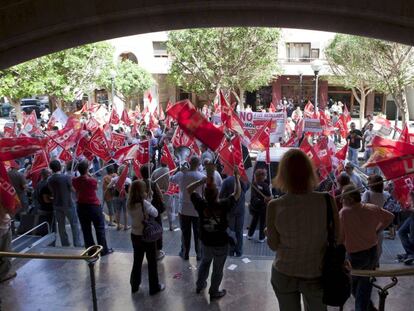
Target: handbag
(336, 278)
(152, 229)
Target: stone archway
(31, 28)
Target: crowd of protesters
(210, 204)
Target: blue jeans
(71, 215)
(406, 234)
(353, 155)
(361, 286)
(236, 223)
(217, 255)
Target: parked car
(5, 109)
(28, 105)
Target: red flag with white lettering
(167, 158)
(99, 146)
(261, 140)
(114, 118)
(307, 148)
(195, 124)
(30, 124)
(125, 118)
(341, 154)
(8, 196)
(118, 140)
(225, 111)
(18, 147)
(181, 139)
(40, 161)
(92, 124)
(230, 153)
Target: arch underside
(31, 28)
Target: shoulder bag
(152, 229)
(336, 278)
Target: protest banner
(253, 121)
(312, 125)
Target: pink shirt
(359, 226)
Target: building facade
(297, 49)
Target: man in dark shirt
(61, 187)
(354, 139)
(213, 226)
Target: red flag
(231, 155)
(82, 148)
(225, 111)
(167, 158)
(30, 124)
(40, 161)
(153, 122)
(291, 142)
(134, 130)
(126, 153)
(310, 152)
(383, 149)
(125, 118)
(10, 131)
(120, 184)
(66, 137)
(299, 128)
(346, 115)
(99, 146)
(194, 123)
(261, 140)
(149, 97)
(92, 124)
(114, 118)
(342, 126)
(144, 112)
(14, 148)
(309, 110)
(181, 139)
(137, 168)
(272, 107)
(142, 155)
(341, 154)
(168, 118)
(8, 196)
(65, 156)
(159, 112)
(118, 140)
(406, 136)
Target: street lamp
(113, 75)
(300, 73)
(316, 66)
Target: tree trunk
(362, 110)
(401, 103)
(16, 104)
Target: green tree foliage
(130, 81)
(364, 65)
(19, 82)
(349, 60)
(70, 73)
(234, 59)
(394, 65)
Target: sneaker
(134, 289)
(249, 237)
(262, 240)
(109, 251)
(161, 287)
(160, 255)
(409, 261)
(8, 276)
(111, 224)
(402, 257)
(218, 295)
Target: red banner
(194, 124)
(125, 118)
(14, 148)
